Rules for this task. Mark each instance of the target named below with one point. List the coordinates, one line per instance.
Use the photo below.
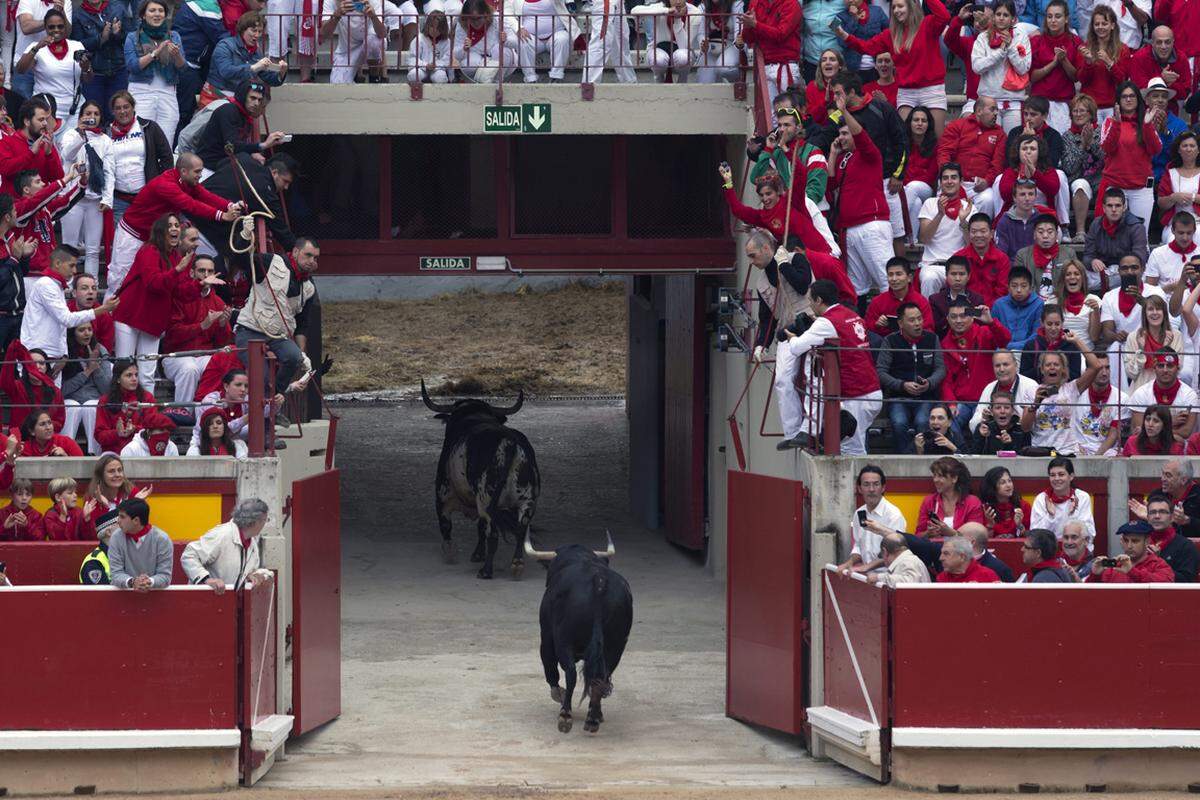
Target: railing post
(256, 363)
(831, 410)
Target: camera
(802, 323)
(1107, 562)
(975, 312)
(1128, 281)
(287, 137)
(80, 55)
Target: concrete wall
(650, 108)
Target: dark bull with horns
(487, 472)
(586, 615)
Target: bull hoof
(564, 723)
(556, 694)
(477, 556)
(591, 725)
(449, 551)
(517, 569)
(484, 574)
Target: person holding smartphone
(1121, 313)
(967, 350)
(865, 548)
(911, 370)
(1137, 564)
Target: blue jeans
(186, 90)
(22, 83)
(287, 355)
(905, 416)
(101, 88)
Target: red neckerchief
(137, 537)
(52, 274)
(1051, 344)
(1109, 226)
(1097, 398)
(95, 8)
(1150, 347)
(1051, 497)
(1071, 562)
(994, 40)
(1182, 253)
(90, 129)
(58, 49)
(1050, 563)
(1076, 129)
(1044, 255)
(1161, 539)
(1126, 301)
(1012, 387)
(218, 449)
(246, 114)
(1006, 522)
(476, 34)
(299, 274)
(862, 15)
(955, 206)
(38, 449)
(119, 131)
(250, 48)
(1165, 397)
(1186, 490)
(1073, 301)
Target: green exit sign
(525, 118)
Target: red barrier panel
(764, 675)
(1045, 657)
(118, 660)
(856, 648)
(257, 667)
(58, 563)
(316, 601)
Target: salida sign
(525, 118)
(445, 263)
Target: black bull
(486, 471)
(586, 615)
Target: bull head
(446, 408)
(437, 408)
(548, 555)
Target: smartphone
(725, 165)
(893, 323)
(287, 137)
(835, 24)
(862, 519)
(975, 312)
(1128, 280)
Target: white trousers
(132, 342)
(1059, 117)
(488, 70)
(721, 63)
(915, 194)
(782, 75)
(611, 49)
(984, 201)
(83, 227)
(421, 75)
(125, 247)
(933, 278)
(868, 248)
(280, 24)
(680, 61)
(158, 105)
(185, 372)
(1141, 204)
(75, 415)
(360, 49)
(556, 45)
(794, 410)
(1010, 114)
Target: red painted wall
(764, 673)
(118, 660)
(1046, 658)
(864, 611)
(58, 563)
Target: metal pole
(256, 361)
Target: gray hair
(959, 545)
(250, 512)
(1185, 467)
(760, 238)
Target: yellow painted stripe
(183, 516)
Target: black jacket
(997, 566)
(108, 58)
(1051, 575)
(1052, 138)
(900, 360)
(886, 129)
(1191, 507)
(990, 445)
(1180, 554)
(1031, 357)
(798, 274)
(227, 125)
(225, 183)
(12, 285)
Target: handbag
(1013, 80)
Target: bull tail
(595, 670)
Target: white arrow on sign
(536, 118)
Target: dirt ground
(561, 341)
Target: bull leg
(564, 716)
(550, 666)
(595, 716)
(441, 499)
(477, 555)
(493, 540)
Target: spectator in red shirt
(1137, 564)
(38, 206)
(19, 520)
(959, 564)
(1160, 59)
(775, 26)
(1056, 62)
(84, 295)
(1129, 140)
(1155, 436)
(885, 87)
(119, 413)
(980, 17)
(65, 521)
(989, 266)
(778, 214)
(818, 93)
(25, 381)
(30, 147)
(920, 167)
(1105, 61)
(967, 351)
(40, 440)
(1005, 512)
(977, 143)
(882, 313)
(199, 324)
(951, 505)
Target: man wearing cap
(1137, 564)
(1160, 61)
(1168, 125)
(236, 124)
(1166, 390)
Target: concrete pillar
(644, 401)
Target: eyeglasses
(1026, 182)
(1028, 547)
(55, 27)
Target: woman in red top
(776, 211)
(884, 87)
(1029, 160)
(159, 274)
(65, 521)
(29, 387)
(951, 505)
(108, 489)
(816, 93)
(39, 438)
(980, 18)
(1105, 61)
(1129, 140)
(119, 413)
(1056, 61)
(1005, 512)
(1156, 437)
(920, 166)
(914, 40)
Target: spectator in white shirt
(1062, 502)
(31, 15)
(1165, 265)
(1097, 416)
(903, 566)
(55, 71)
(83, 224)
(47, 317)
(360, 32)
(229, 554)
(1121, 312)
(1165, 390)
(1048, 418)
(1008, 379)
(943, 220)
(865, 555)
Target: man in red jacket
(1184, 18)
(989, 265)
(38, 205)
(860, 393)
(176, 191)
(976, 142)
(1161, 59)
(862, 216)
(967, 351)
(959, 564)
(31, 146)
(774, 26)
(201, 324)
(1137, 564)
(882, 311)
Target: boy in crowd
(65, 521)
(1002, 431)
(958, 274)
(19, 522)
(1020, 310)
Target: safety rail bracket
(416, 90)
(587, 91)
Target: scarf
(1043, 256)
(303, 276)
(1051, 344)
(149, 37)
(1050, 563)
(1183, 254)
(1006, 522)
(475, 35)
(1126, 301)
(1051, 497)
(955, 206)
(1076, 129)
(308, 29)
(1073, 301)
(58, 49)
(58, 278)
(1150, 346)
(1109, 226)
(863, 13)
(36, 448)
(95, 8)
(1165, 397)
(994, 40)
(242, 109)
(1161, 539)
(1000, 387)
(156, 443)
(119, 131)
(137, 537)
(1097, 398)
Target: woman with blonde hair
(1156, 332)
(1081, 311)
(1082, 159)
(829, 64)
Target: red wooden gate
(764, 665)
(316, 601)
(684, 428)
(256, 678)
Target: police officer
(94, 569)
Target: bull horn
(432, 406)
(612, 549)
(540, 555)
(514, 408)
